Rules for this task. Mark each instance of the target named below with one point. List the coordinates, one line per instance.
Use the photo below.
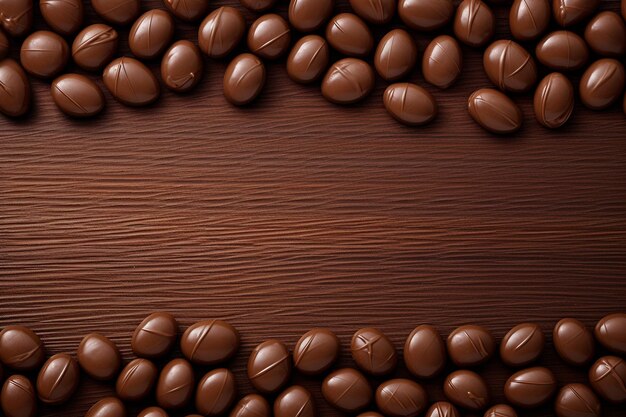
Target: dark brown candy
(107, 407)
(523, 344)
(370, 414)
(94, 47)
(554, 102)
(577, 400)
(396, 55)
(269, 36)
(348, 81)
(308, 59)
(425, 15)
(216, 392)
(269, 366)
(309, 15)
(611, 332)
(562, 50)
(501, 410)
(258, 5)
(252, 405)
(410, 104)
(607, 376)
(466, 389)
(348, 34)
(20, 347)
(155, 336)
(474, 23)
(18, 397)
(152, 412)
(401, 398)
(494, 112)
(151, 34)
(16, 16)
(509, 66)
(378, 12)
(189, 10)
(221, 31)
(209, 342)
(442, 62)
(97, 355)
(117, 12)
(602, 84)
(571, 12)
(63, 16)
(347, 390)
(5, 45)
(424, 352)
(316, 351)
(181, 67)
(573, 342)
(44, 54)
(530, 388)
(295, 401)
(471, 345)
(132, 84)
(58, 379)
(606, 34)
(373, 352)
(442, 409)
(528, 19)
(175, 386)
(244, 79)
(136, 380)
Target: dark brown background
(294, 213)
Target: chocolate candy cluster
(270, 366)
(345, 38)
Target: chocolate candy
(607, 376)
(16, 16)
(94, 47)
(348, 81)
(562, 50)
(309, 15)
(494, 111)
(136, 380)
(221, 31)
(295, 401)
(308, 59)
(117, 12)
(554, 101)
(501, 410)
(474, 23)
(442, 62)
(522, 345)
(269, 36)
(528, 19)
(216, 392)
(155, 336)
(577, 400)
(611, 332)
(181, 67)
(606, 34)
(471, 345)
(396, 55)
(4, 45)
(244, 79)
(602, 84)
(44, 54)
(573, 341)
(175, 385)
(258, 5)
(269, 366)
(370, 414)
(410, 104)
(20, 348)
(189, 10)
(107, 407)
(378, 12)
(442, 409)
(316, 351)
(97, 355)
(348, 34)
(347, 390)
(401, 398)
(571, 12)
(252, 405)
(509, 66)
(373, 352)
(466, 389)
(424, 352)
(209, 342)
(151, 34)
(58, 379)
(530, 387)
(133, 84)
(18, 397)
(152, 412)
(425, 15)
(64, 17)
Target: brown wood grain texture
(294, 213)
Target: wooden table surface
(295, 213)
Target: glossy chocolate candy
(611, 332)
(151, 34)
(269, 36)
(395, 55)
(425, 15)
(474, 23)
(94, 46)
(573, 341)
(136, 380)
(442, 409)
(189, 10)
(16, 16)
(216, 392)
(348, 34)
(471, 345)
(370, 414)
(97, 355)
(221, 32)
(602, 84)
(58, 379)
(295, 401)
(372, 351)
(152, 412)
(501, 410)
(554, 104)
(44, 54)
(466, 389)
(63, 16)
(316, 351)
(155, 336)
(132, 84)
(252, 405)
(563, 51)
(20, 347)
(607, 376)
(377, 12)
(442, 62)
(209, 342)
(494, 112)
(17, 398)
(308, 59)
(175, 386)
(606, 34)
(347, 390)
(577, 400)
(401, 398)
(528, 19)
(410, 104)
(309, 15)
(571, 12)
(181, 67)
(509, 66)
(269, 366)
(117, 12)
(258, 5)
(348, 81)
(424, 352)
(530, 388)
(107, 407)
(523, 344)
(244, 79)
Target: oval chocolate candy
(316, 351)
(607, 376)
(151, 34)
(372, 351)
(442, 62)
(152, 412)
(611, 332)
(269, 36)
(252, 405)
(258, 5)
(577, 400)
(44, 54)
(16, 16)
(474, 23)
(509, 66)
(606, 34)
(395, 55)
(530, 388)
(107, 407)
(17, 398)
(348, 34)
(425, 352)
(64, 17)
(501, 410)
(94, 46)
(308, 59)
(377, 12)
(58, 379)
(554, 101)
(573, 342)
(347, 390)
(309, 15)
(442, 409)
(216, 392)
(98, 356)
(602, 84)
(471, 345)
(528, 19)
(563, 51)
(401, 398)
(136, 380)
(175, 386)
(20, 347)
(522, 345)
(425, 15)
(466, 389)
(189, 10)
(221, 32)
(295, 401)
(269, 366)
(410, 104)
(494, 111)
(131, 82)
(348, 81)
(155, 336)
(571, 12)
(181, 67)
(209, 342)
(244, 79)
(117, 12)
